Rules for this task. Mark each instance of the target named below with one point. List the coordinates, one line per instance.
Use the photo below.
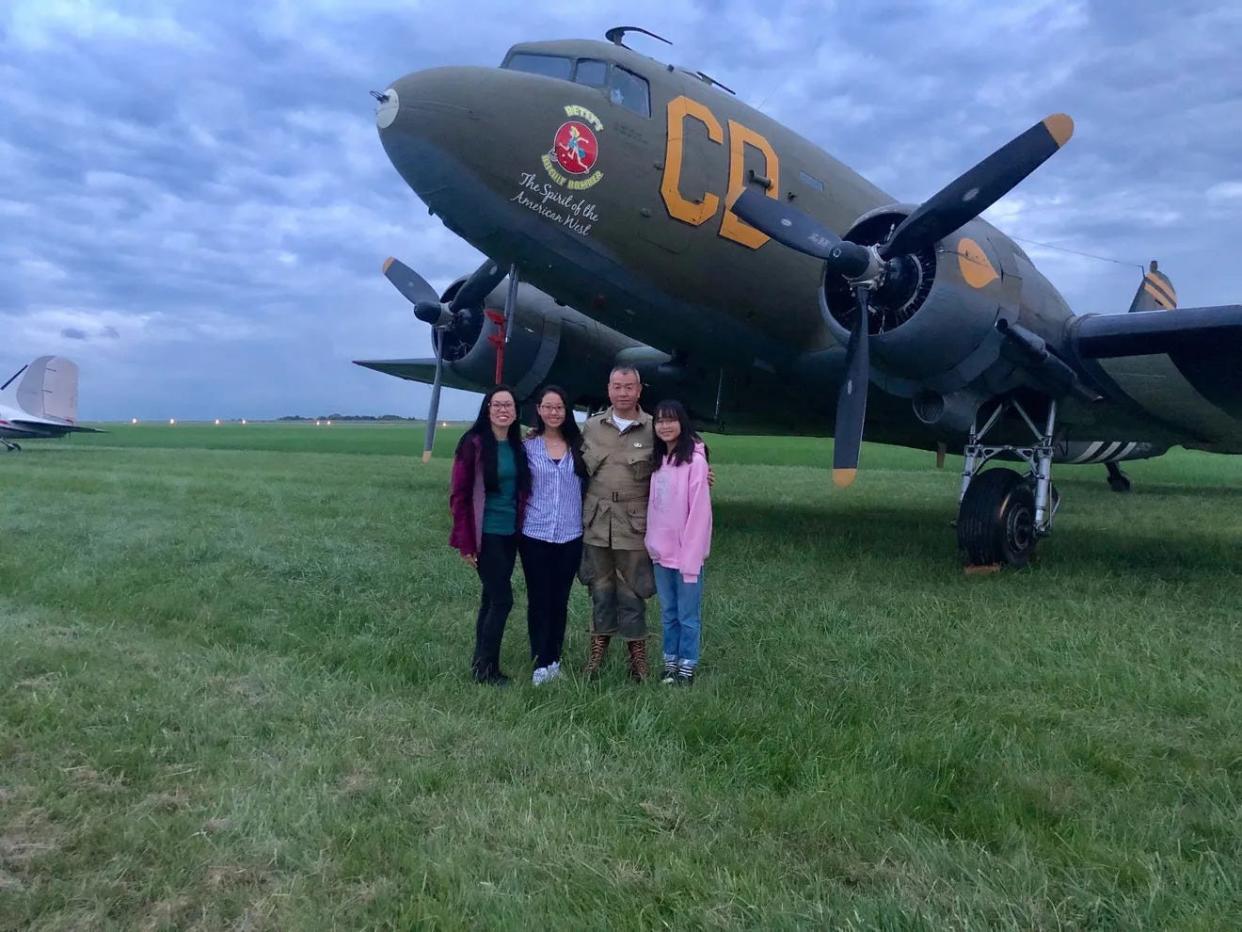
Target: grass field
(233, 694)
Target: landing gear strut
(1002, 514)
(10, 446)
(1117, 480)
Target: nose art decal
(575, 150)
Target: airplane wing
(418, 370)
(1170, 376)
(1145, 333)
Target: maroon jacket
(467, 497)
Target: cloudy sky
(194, 203)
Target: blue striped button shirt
(554, 512)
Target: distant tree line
(347, 417)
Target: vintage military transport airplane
(40, 400)
(647, 197)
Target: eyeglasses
(552, 409)
(502, 405)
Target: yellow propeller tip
(388, 262)
(842, 478)
(1061, 127)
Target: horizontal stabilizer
(1146, 333)
(417, 370)
(55, 426)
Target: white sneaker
(540, 676)
(554, 670)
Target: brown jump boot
(638, 660)
(595, 655)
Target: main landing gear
(11, 447)
(1002, 513)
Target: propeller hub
(857, 264)
(435, 313)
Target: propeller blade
(785, 224)
(971, 194)
(852, 399)
(411, 285)
(433, 409)
(511, 302)
(478, 286)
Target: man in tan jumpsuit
(616, 445)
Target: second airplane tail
(48, 388)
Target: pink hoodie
(679, 516)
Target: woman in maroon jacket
(490, 486)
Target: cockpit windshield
(622, 86)
(630, 91)
(550, 66)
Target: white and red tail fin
(1155, 292)
(48, 388)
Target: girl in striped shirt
(551, 540)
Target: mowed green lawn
(234, 694)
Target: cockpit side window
(591, 72)
(551, 66)
(630, 91)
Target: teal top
(500, 508)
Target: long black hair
(482, 428)
(683, 446)
(569, 430)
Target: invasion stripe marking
(1086, 454)
(1162, 284)
(1109, 451)
(1158, 296)
(1165, 290)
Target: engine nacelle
(548, 343)
(934, 329)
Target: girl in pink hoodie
(679, 535)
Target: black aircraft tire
(996, 523)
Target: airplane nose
(428, 104)
(427, 119)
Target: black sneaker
(685, 676)
(670, 674)
(491, 678)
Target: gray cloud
(206, 180)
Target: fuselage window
(630, 91)
(591, 72)
(811, 181)
(552, 66)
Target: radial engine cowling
(548, 343)
(933, 327)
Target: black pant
(549, 571)
(495, 570)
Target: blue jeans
(679, 610)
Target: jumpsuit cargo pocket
(640, 463)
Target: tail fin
(49, 389)
(1155, 292)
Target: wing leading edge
(1145, 333)
(417, 370)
